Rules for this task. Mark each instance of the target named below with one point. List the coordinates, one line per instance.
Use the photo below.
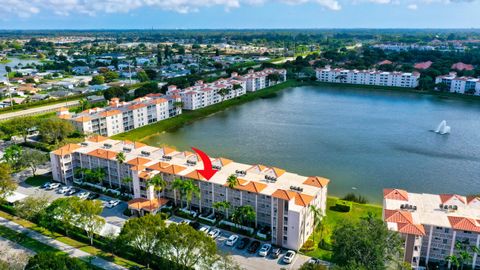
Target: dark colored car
(254, 246)
(195, 225)
(276, 253)
(243, 243)
(93, 196)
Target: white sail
(441, 126)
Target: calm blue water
(363, 140)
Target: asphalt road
(37, 110)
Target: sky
(237, 14)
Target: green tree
(223, 206)
(366, 244)
(225, 261)
(232, 181)
(127, 180)
(142, 76)
(32, 207)
(13, 156)
(55, 261)
(143, 234)
(97, 79)
(62, 212)
(89, 217)
(317, 218)
(110, 76)
(32, 159)
(188, 247)
(120, 157)
(158, 184)
(95, 175)
(236, 87)
(190, 190)
(177, 186)
(54, 130)
(223, 92)
(7, 184)
(19, 126)
(243, 215)
(312, 266)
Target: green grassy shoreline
(189, 116)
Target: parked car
(243, 243)
(214, 233)
(231, 240)
(288, 257)
(112, 203)
(205, 229)
(83, 195)
(185, 221)
(195, 225)
(71, 191)
(64, 189)
(254, 246)
(46, 185)
(264, 250)
(53, 186)
(93, 196)
(276, 252)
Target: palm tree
(177, 185)
(190, 189)
(128, 180)
(243, 215)
(158, 183)
(453, 259)
(317, 217)
(120, 157)
(225, 205)
(232, 181)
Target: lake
(363, 140)
(14, 62)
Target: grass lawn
(190, 116)
(38, 180)
(69, 241)
(25, 241)
(333, 218)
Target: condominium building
(121, 116)
(281, 199)
(462, 85)
(368, 77)
(205, 94)
(431, 225)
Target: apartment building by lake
(368, 77)
(122, 116)
(455, 84)
(281, 199)
(432, 224)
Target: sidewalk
(99, 262)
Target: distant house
(81, 70)
(60, 94)
(27, 88)
(423, 65)
(462, 66)
(7, 102)
(39, 97)
(95, 99)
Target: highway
(38, 110)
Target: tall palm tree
(224, 206)
(158, 183)
(232, 181)
(177, 185)
(454, 260)
(128, 180)
(317, 217)
(120, 157)
(190, 190)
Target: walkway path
(38, 110)
(74, 252)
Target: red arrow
(207, 171)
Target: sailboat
(442, 128)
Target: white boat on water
(442, 128)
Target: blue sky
(172, 14)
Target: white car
(288, 258)
(46, 185)
(232, 240)
(112, 203)
(64, 189)
(205, 229)
(265, 250)
(53, 186)
(83, 195)
(214, 233)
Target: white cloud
(26, 8)
(412, 6)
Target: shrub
(309, 245)
(127, 212)
(355, 198)
(342, 206)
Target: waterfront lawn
(38, 180)
(190, 116)
(332, 219)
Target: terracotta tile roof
(66, 149)
(398, 216)
(316, 181)
(240, 182)
(251, 186)
(464, 224)
(278, 172)
(110, 113)
(283, 194)
(395, 194)
(65, 116)
(223, 161)
(423, 65)
(144, 175)
(384, 62)
(195, 175)
(447, 197)
(137, 168)
(135, 144)
(167, 150)
(97, 138)
(137, 106)
(158, 166)
(138, 161)
(473, 198)
(145, 204)
(62, 109)
(462, 66)
(415, 229)
(158, 101)
(102, 153)
(82, 119)
(303, 199)
(172, 169)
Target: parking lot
(252, 261)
